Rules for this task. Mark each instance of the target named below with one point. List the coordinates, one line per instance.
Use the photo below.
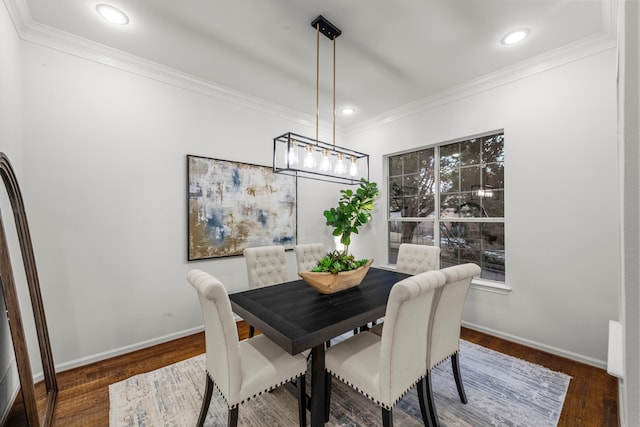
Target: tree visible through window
(452, 196)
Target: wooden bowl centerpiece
(329, 283)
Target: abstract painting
(233, 205)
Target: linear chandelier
(311, 158)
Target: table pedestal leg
(317, 386)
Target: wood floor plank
(592, 398)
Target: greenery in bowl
(337, 261)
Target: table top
(297, 317)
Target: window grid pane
(416, 232)
(412, 184)
(478, 242)
(470, 184)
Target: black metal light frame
(282, 164)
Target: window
(451, 196)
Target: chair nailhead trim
(383, 405)
(445, 358)
(255, 395)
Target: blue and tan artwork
(234, 205)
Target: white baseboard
(159, 340)
(122, 350)
(534, 344)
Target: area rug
(501, 391)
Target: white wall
(561, 203)
(11, 145)
(105, 166)
(10, 91)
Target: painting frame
(234, 205)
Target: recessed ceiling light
(112, 14)
(515, 37)
(347, 111)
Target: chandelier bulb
(353, 170)
(340, 167)
(325, 164)
(310, 158)
(291, 157)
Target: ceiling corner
(20, 15)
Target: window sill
(478, 284)
(490, 286)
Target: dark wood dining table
(296, 317)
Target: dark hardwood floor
(592, 399)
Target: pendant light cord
(334, 91)
(318, 83)
(317, 77)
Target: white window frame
(477, 283)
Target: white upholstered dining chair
(384, 368)
(240, 370)
(266, 265)
(415, 259)
(445, 333)
(307, 255)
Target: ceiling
(390, 53)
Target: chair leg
(327, 396)
(455, 365)
(428, 396)
(426, 415)
(232, 419)
(252, 331)
(208, 392)
(387, 418)
(302, 401)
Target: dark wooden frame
(27, 386)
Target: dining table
(297, 318)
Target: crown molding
(19, 14)
(572, 52)
(35, 32)
(53, 38)
(536, 65)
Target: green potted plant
(339, 270)
(353, 211)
